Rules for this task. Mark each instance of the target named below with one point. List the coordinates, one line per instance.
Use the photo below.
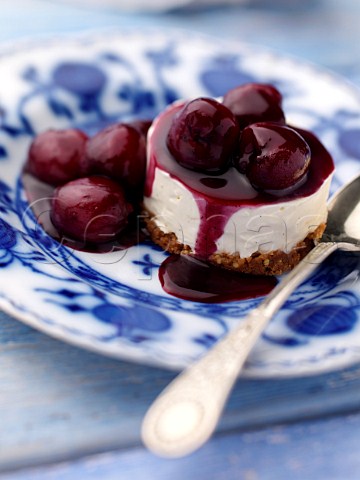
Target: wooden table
(70, 414)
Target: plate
(152, 5)
(113, 303)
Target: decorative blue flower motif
(223, 73)
(141, 101)
(31, 74)
(207, 340)
(8, 240)
(82, 79)
(3, 152)
(78, 90)
(6, 202)
(147, 264)
(137, 323)
(162, 59)
(7, 236)
(349, 142)
(320, 320)
(285, 341)
(335, 314)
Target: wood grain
(58, 402)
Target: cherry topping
(142, 125)
(203, 135)
(90, 209)
(191, 279)
(55, 155)
(118, 151)
(274, 157)
(255, 102)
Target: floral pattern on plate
(113, 303)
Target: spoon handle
(185, 415)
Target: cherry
(274, 157)
(90, 209)
(118, 151)
(255, 102)
(142, 125)
(55, 156)
(203, 135)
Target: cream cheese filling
(260, 228)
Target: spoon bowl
(186, 413)
(343, 224)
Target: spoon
(186, 413)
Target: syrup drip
(213, 219)
(184, 277)
(218, 198)
(191, 279)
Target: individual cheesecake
(230, 183)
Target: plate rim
(8, 49)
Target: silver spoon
(186, 413)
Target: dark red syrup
(220, 198)
(40, 195)
(217, 198)
(191, 279)
(184, 277)
(213, 182)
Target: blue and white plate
(113, 303)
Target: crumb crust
(275, 262)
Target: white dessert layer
(260, 228)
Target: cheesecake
(229, 184)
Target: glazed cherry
(55, 156)
(274, 157)
(203, 135)
(255, 102)
(142, 125)
(118, 151)
(92, 210)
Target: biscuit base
(274, 262)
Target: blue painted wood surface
(325, 449)
(59, 403)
